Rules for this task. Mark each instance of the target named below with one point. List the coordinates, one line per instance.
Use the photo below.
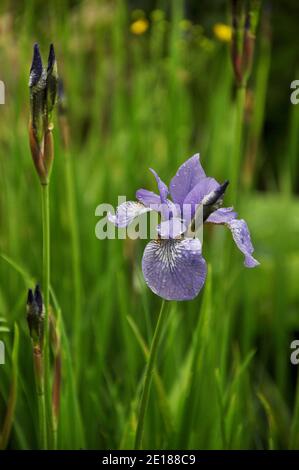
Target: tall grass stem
(12, 400)
(148, 375)
(38, 361)
(237, 148)
(46, 291)
(76, 256)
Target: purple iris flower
(173, 265)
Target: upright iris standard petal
(163, 190)
(195, 197)
(242, 239)
(187, 176)
(174, 269)
(126, 213)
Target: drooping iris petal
(126, 213)
(174, 269)
(187, 176)
(148, 198)
(163, 190)
(195, 197)
(172, 228)
(240, 232)
(241, 236)
(222, 215)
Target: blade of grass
(12, 400)
(148, 376)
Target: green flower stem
(42, 421)
(148, 376)
(38, 361)
(46, 288)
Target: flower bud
(52, 81)
(37, 85)
(43, 84)
(36, 315)
(244, 25)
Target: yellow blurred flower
(139, 26)
(223, 32)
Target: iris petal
(148, 198)
(222, 215)
(195, 197)
(186, 178)
(240, 232)
(172, 228)
(241, 236)
(174, 269)
(163, 190)
(126, 213)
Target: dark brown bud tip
(38, 298)
(30, 297)
(36, 69)
(52, 81)
(35, 315)
(51, 58)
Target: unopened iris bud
(37, 85)
(52, 81)
(249, 40)
(237, 39)
(244, 25)
(36, 315)
(36, 67)
(43, 84)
